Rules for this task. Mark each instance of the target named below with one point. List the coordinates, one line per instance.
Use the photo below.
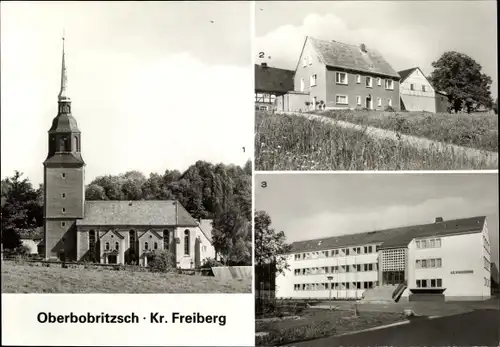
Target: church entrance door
(112, 259)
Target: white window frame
(304, 62)
(389, 102)
(358, 100)
(337, 79)
(412, 86)
(309, 58)
(340, 103)
(369, 85)
(358, 79)
(424, 88)
(389, 84)
(379, 81)
(379, 102)
(313, 79)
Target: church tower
(64, 187)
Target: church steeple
(63, 97)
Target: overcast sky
(408, 34)
(154, 85)
(309, 206)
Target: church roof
(393, 238)
(64, 123)
(144, 212)
(64, 158)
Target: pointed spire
(64, 78)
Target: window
(106, 246)
(166, 240)
(424, 263)
(146, 245)
(301, 84)
(438, 262)
(389, 84)
(379, 81)
(389, 102)
(186, 242)
(313, 80)
(433, 283)
(369, 82)
(419, 264)
(63, 210)
(432, 243)
(432, 263)
(91, 240)
(63, 195)
(155, 245)
(132, 239)
(424, 243)
(117, 245)
(63, 175)
(379, 102)
(341, 78)
(423, 88)
(424, 283)
(358, 79)
(419, 284)
(341, 100)
(439, 283)
(412, 86)
(63, 224)
(438, 243)
(358, 100)
(304, 62)
(370, 249)
(309, 58)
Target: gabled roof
(113, 232)
(144, 212)
(152, 232)
(406, 73)
(395, 237)
(346, 56)
(206, 228)
(273, 80)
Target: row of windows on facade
(335, 269)
(133, 240)
(341, 252)
(430, 283)
(334, 285)
(63, 144)
(413, 87)
(429, 243)
(343, 79)
(487, 264)
(428, 263)
(344, 100)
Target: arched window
(146, 246)
(117, 246)
(166, 239)
(61, 145)
(75, 143)
(186, 242)
(106, 246)
(132, 239)
(155, 245)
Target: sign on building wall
(462, 272)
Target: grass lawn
(23, 278)
(314, 324)
(284, 142)
(475, 130)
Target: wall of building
(417, 99)
(353, 89)
(442, 103)
(64, 189)
(457, 253)
(205, 247)
(285, 284)
(314, 65)
(292, 102)
(60, 237)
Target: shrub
(22, 250)
(162, 261)
(210, 262)
(389, 109)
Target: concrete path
(478, 328)
(490, 158)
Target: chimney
(264, 65)
(439, 219)
(363, 47)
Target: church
(109, 232)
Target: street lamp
(330, 278)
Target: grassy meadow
(287, 142)
(476, 130)
(26, 278)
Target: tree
(95, 192)
(21, 209)
(461, 78)
(270, 246)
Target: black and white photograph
(377, 259)
(376, 85)
(126, 147)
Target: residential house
(110, 232)
(32, 240)
(271, 84)
(343, 76)
(418, 94)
